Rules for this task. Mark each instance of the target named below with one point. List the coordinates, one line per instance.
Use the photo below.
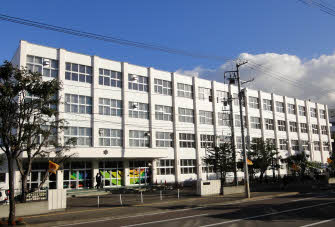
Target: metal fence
(37, 195)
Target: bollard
(98, 201)
(120, 200)
(160, 195)
(141, 197)
(178, 192)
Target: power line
(111, 39)
(126, 42)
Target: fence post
(178, 192)
(98, 201)
(141, 197)
(160, 195)
(120, 199)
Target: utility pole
(233, 77)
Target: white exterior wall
(126, 153)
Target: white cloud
(282, 74)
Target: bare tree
(29, 123)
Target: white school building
(138, 124)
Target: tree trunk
(24, 188)
(11, 218)
(261, 177)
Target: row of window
(114, 138)
(83, 73)
(83, 105)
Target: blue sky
(223, 27)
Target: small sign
(206, 183)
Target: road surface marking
(296, 200)
(165, 220)
(269, 214)
(157, 213)
(318, 223)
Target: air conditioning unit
(147, 134)
(46, 62)
(133, 78)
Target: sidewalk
(82, 213)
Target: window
(270, 141)
(111, 107)
(206, 117)
(83, 135)
(269, 124)
(305, 145)
(322, 114)
(315, 129)
(253, 102)
(163, 87)
(188, 166)
(224, 119)
(111, 172)
(254, 142)
(316, 145)
(47, 67)
(239, 144)
(224, 139)
(325, 146)
(280, 107)
(165, 167)
(110, 137)
(138, 110)
(138, 138)
(324, 130)
(291, 108)
(163, 113)
(238, 120)
(138, 83)
(78, 104)
(185, 90)
(303, 128)
(206, 168)
(186, 115)
(295, 145)
(267, 104)
(76, 72)
(281, 125)
(282, 144)
(207, 141)
(302, 111)
(2, 177)
(255, 122)
(187, 140)
(110, 78)
(205, 94)
(164, 139)
(221, 96)
(293, 126)
(313, 112)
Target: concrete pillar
(275, 126)
(196, 128)
(126, 173)
(95, 170)
(175, 134)
(59, 179)
(154, 170)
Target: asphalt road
(312, 209)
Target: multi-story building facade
(133, 123)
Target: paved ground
(291, 209)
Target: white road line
(157, 213)
(165, 220)
(264, 215)
(318, 223)
(296, 200)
